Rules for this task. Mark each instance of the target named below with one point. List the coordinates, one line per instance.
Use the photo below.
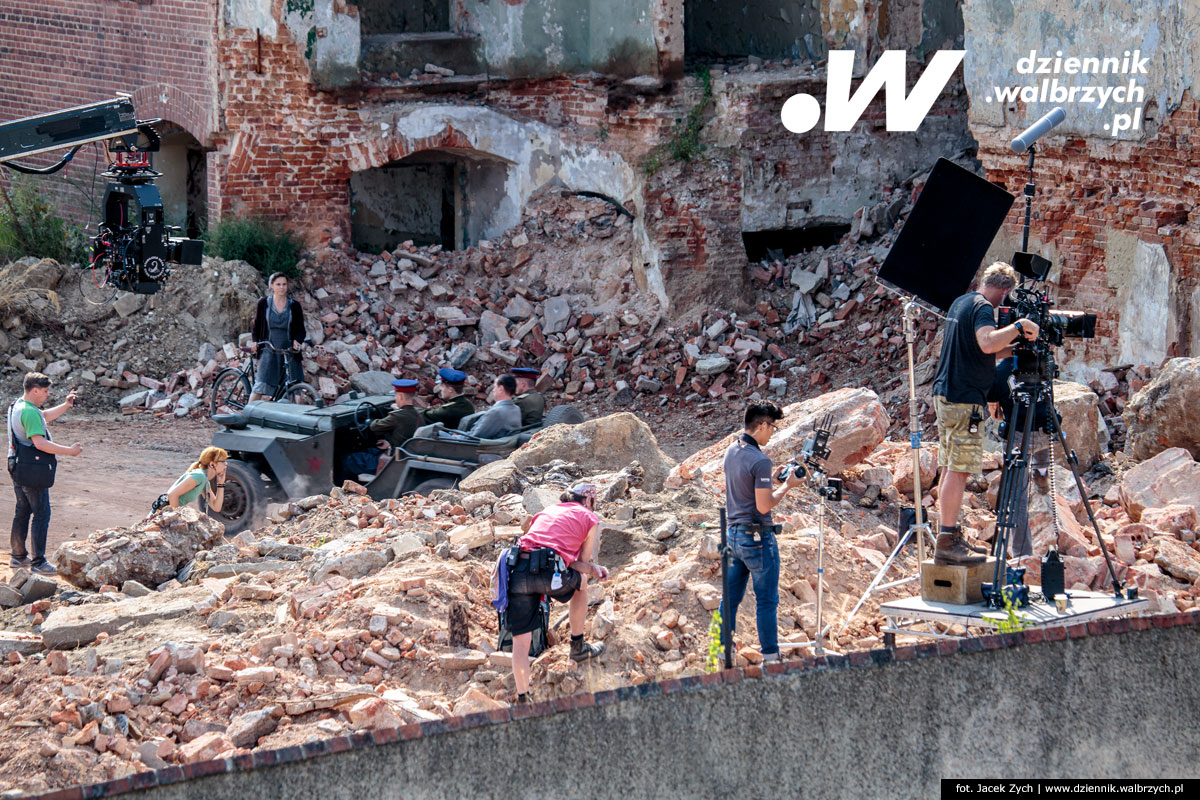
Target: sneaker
(19, 561)
(584, 651)
(44, 568)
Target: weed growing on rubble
(29, 227)
(715, 651)
(1011, 622)
(685, 143)
(263, 243)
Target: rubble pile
(343, 613)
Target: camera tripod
(1028, 396)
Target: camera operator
(966, 369)
(749, 498)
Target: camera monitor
(946, 236)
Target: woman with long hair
(205, 477)
(279, 320)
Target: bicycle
(232, 386)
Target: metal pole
(726, 633)
(914, 428)
(819, 647)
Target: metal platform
(903, 616)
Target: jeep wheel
(244, 497)
(431, 485)
(562, 415)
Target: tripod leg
(900, 543)
(1072, 462)
(1016, 471)
(726, 633)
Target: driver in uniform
(393, 430)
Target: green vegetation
(684, 144)
(1011, 622)
(263, 243)
(715, 651)
(29, 227)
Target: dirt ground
(125, 464)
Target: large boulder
(498, 477)
(151, 552)
(861, 420)
(1170, 478)
(1165, 412)
(1080, 409)
(372, 382)
(74, 626)
(598, 445)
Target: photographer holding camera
(966, 369)
(32, 465)
(749, 497)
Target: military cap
(405, 385)
(448, 375)
(526, 372)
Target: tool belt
(756, 531)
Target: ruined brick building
(437, 120)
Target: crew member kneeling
(569, 530)
(749, 498)
(966, 368)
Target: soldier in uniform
(530, 401)
(457, 405)
(394, 429)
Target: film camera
(133, 248)
(1035, 363)
(814, 451)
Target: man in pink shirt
(565, 531)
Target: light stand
(920, 526)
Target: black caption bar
(1068, 789)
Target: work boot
(582, 651)
(977, 548)
(951, 548)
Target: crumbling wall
(1116, 184)
(763, 28)
(548, 37)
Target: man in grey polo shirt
(749, 499)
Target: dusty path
(125, 464)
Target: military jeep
(283, 451)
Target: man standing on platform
(966, 369)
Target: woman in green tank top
(206, 476)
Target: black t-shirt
(746, 468)
(965, 372)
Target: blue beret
(452, 375)
(405, 385)
(526, 372)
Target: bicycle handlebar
(263, 344)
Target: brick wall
(1087, 187)
(55, 54)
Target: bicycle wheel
(93, 284)
(301, 394)
(230, 391)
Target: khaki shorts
(959, 450)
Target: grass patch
(263, 243)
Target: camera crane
(133, 248)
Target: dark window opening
(403, 16)
(778, 245)
(184, 182)
(717, 29)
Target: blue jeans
(35, 503)
(760, 563)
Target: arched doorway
(184, 182)
(446, 197)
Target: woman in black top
(280, 321)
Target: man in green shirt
(530, 401)
(457, 405)
(27, 424)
